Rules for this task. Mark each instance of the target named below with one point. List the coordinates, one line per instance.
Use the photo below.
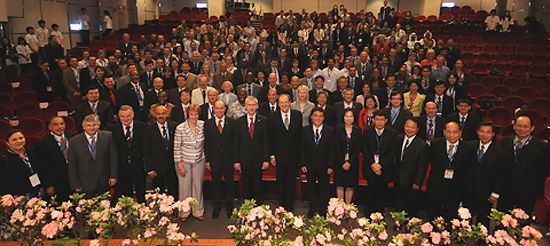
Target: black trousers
(131, 179)
(228, 189)
(85, 37)
(168, 183)
(251, 175)
(443, 203)
(406, 199)
(317, 188)
(286, 181)
(377, 192)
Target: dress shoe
(216, 213)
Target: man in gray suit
(71, 80)
(93, 160)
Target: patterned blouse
(189, 146)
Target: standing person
(179, 112)
(57, 34)
(467, 121)
(450, 160)
(430, 124)
(411, 165)
(413, 99)
(285, 128)
(32, 41)
(488, 171)
(366, 115)
(251, 149)
(317, 158)
(396, 115)
(71, 80)
(158, 151)
(93, 159)
(53, 152)
(24, 54)
(133, 94)
(128, 136)
(20, 168)
(84, 19)
(529, 166)
(107, 23)
(348, 137)
(93, 105)
(42, 34)
(347, 103)
(379, 154)
(219, 135)
(189, 160)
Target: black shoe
(229, 212)
(310, 213)
(216, 213)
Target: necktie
(393, 116)
(94, 108)
(440, 103)
(251, 128)
(184, 113)
(430, 129)
(450, 152)
(249, 89)
(165, 137)
(128, 136)
(352, 82)
(203, 96)
(220, 127)
(519, 145)
(113, 99)
(317, 136)
(92, 147)
(64, 149)
(139, 95)
(480, 153)
(404, 148)
(287, 122)
(272, 108)
(462, 122)
(211, 112)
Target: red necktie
(220, 127)
(251, 128)
(112, 94)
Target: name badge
(346, 158)
(49, 88)
(376, 158)
(449, 174)
(35, 180)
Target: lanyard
(378, 141)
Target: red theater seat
(32, 126)
(501, 116)
(527, 93)
(512, 102)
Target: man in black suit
(450, 160)
(93, 105)
(271, 84)
(338, 95)
(298, 52)
(148, 75)
(385, 11)
(354, 81)
(133, 94)
(158, 151)
(239, 76)
(267, 108)
(348, 102)
(128, 136)
(468, 122)
(328, 110)
(126, 45)
(318, 86)
(430, 124)
(179, 112)
(529, 168)
(317, 160)
(196, 63)
(285, 127)
(444, 102)
(207, 109)
(379, 153)
(219, 136)
(384, 92)
(87, 74)
(251, 149)
(489, 167)
(284, 62)
(151, 97)
(53, 153)
(411, 165)
(159, 67)
(395, 114)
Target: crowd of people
(314, 98)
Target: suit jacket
(71, 85)
(461, 163)
(251, 152)
(205, 112)
(14, 178)
(192, 81)
(262, 97)
(218, 148)
(446, 108)
(423, 127)
(335, 97)
(177, 114)
(174, 96)
(355, 147)
(256, 89)
(104, 95)
(385, 149)
(127, 96)
(92, 175)
(196, 69)
(151, 97)
(54, 166)
(285, 144)
(357, 85)
(156, 155)
(469, 131)
(40, 83)
(85, 79)
(129, 155)
(399, 123)
(218, 79)
(265, 109)
(104, 111)
(238, 77)
(330, 116)
(411, 169)
(313, 95)
(196, 96)
(317, 157)
(339, 112)
(126, 48)
(146, 80)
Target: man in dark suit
(338, 95)
(354, 81)
(340, 107)
(271, 84)
(444, 103)
(468, 122)
(109, 94)
(158, 151)
(174, 93)
(318, 86)
(239, 76)
(196, 63)
(148, 75)
(53, 153)
(284, 62)
(529, 168)
(221, 76)
(128, 136)
(411, 164)
(133, 94)
(87, 74)
(207, 109)
(450, 160)
(252, 89)
(93, 159)
(179, 112)
(267, 108)
(395, 114)
(384, 92)
(379, 153)
(317, 160)
(488, 172)
(285, 127)
(430, 124)
(385, 11)
(219, 136)
(126, 45)
(251, 149)
(328, 110)
(151, 97)
(299, 53)
(93, 105)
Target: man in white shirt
(34, 44)
(199, 95)
(84, 19)
(42, 34)
(331, 75)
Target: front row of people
(130, 154)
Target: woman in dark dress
(347, 148)
(19, 168)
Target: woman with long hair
(303, 104)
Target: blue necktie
(480, 153)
